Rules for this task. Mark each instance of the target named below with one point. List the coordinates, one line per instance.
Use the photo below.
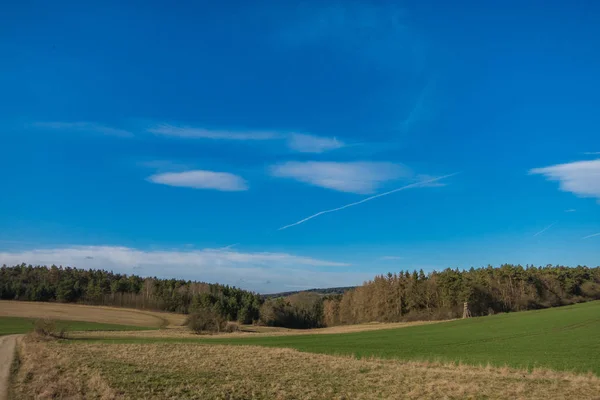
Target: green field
(12, 325)
(564, 338)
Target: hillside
(322, 291)
(561, 338)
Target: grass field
(14, 325)
(564, 338)
(483, 357)
(81, 370)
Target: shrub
(205, 320)
(47, 328)
(591, 289)
(232, 326)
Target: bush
(206, 320)
(591, 290)
(47, 328)
(232, 326)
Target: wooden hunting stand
(466, 311)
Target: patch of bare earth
(78, 312)
(196, 371)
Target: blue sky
(176, 141)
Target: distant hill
(324, 292)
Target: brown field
(77, 312)
(250, 330)
(77, 370)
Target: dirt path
(7, 351)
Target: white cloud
(570, 210)
(300, 142)
(354, 177)
(581, 178)
(199, 179)
(312, 144)
(592, 153)
(190, 132)
(265, 272)
(83, 127)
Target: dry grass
(194, 371)
(253, 331)
(44, 372)
(77, 312)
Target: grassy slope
(12, 325)
(565, 338)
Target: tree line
(99, 287)
(399, 296)
(440, 295)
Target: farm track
(7, 352)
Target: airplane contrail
(545, 229)
(591, 236)
(367, 199)
(227, 247)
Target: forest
(415, 295)
(392, 297)
(99, 287)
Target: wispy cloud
(390, 258)
(570, 210)
(545, 229)
(199, 179)
(592, 153)
(312, 144)
(209, 265)
(84, 127)
(412, 185)
(591, 236)
(354, 177)
(581, 178)
(300, 142)
(191, 132)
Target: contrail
(545, 229)
(227, 247)
(591, 236)
(367, 199)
